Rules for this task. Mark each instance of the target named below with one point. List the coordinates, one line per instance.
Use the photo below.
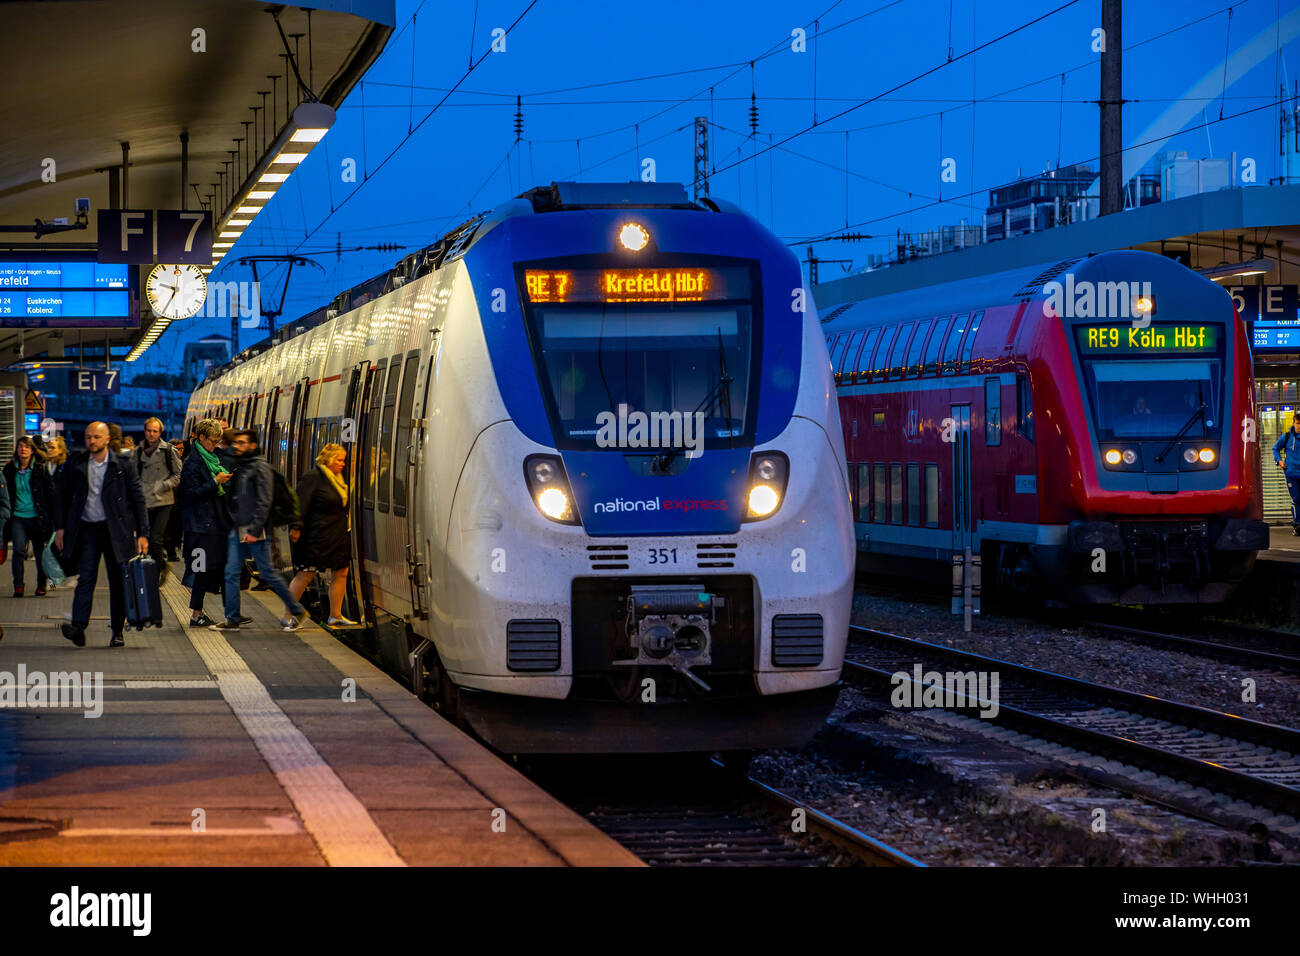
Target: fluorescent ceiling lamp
(232, 234)
(248, 210)
(1237, 270)
(288, 159)
(261, 194)
(308, 135)
(273, 177)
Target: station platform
(259, 747)
(1283, 545)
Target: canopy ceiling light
(1237, 270)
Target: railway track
(725, 820)
(1245, 760)
(1245, 650)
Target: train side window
(932, 496)
(1024, 407)
(896, 362)
(935, 350)
(952, 351)
(915, 350)
(880, 497)
(404, 432)
(913, 493)
(969, 348)
(896, 494)
(868, 347)
(864, 492)
(372, 434)
(881, 362)
(992, 411)
(844, 368)
(386, 431)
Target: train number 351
(663, 555)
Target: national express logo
(618, 505)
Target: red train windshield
(1154, 393)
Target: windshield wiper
(721, 391)
(1200, 412)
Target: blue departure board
(82, 293)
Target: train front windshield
(646, 358)
(1149, 400)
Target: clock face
(176, 292)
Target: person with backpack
(320, 537)
(159, 468)
(1288, 443)
(249, 499)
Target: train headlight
(768, 472)
(549, 487)
(554, 503)
(1206, 455)
(633, 237)
(1120, 458)
(1189, 456)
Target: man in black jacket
(98, 512)
(248, 497)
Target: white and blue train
(600, 499)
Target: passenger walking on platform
(172, 538)
(249, 503)
(205, 519)
(99, 513)
(56, 456)
(160, 472)
(320, 539)
(1289, 443)
(32, 504)
(5, 512)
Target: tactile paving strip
(336, 819)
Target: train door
(419, 546)
(962, 525)
(367, 543)
(351, 437)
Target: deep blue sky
(464, 160)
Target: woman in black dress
(320, 538)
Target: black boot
(77, 635)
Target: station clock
(176, 292)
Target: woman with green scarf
(201, 495)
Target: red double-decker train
(1087, 426)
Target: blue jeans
(22, 530)
(260, 552)
(1293, 486)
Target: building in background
(201, 357)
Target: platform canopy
(83, 77)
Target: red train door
(962, 525)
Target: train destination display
(636, 285)
(1129, 339)
(35, 292)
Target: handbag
(50, 562)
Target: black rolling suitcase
(140, 588)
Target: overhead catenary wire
(819, 237)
